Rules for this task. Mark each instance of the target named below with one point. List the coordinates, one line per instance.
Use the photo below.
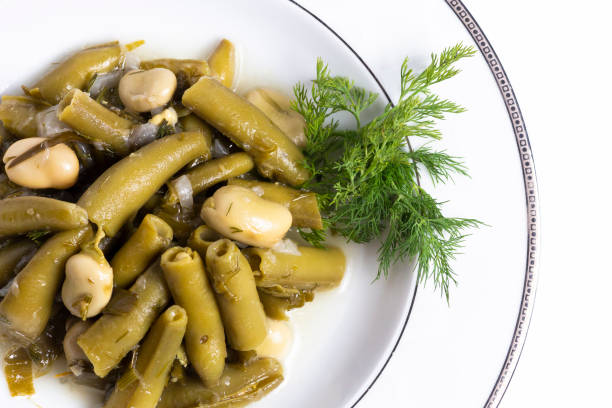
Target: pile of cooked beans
(147, 224)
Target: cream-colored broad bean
(169, 115)
(143, 91)
(54, 167)
(240, 214)
(88, 286)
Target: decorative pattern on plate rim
(531, 196)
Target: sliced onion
(157, 110)
(77, 369)
(286, 246)
(48, 124)
(108, 81)
(11, 287)
(143, 134)
(219, 149)
(5, 290)
(184, 192)
(131, 62)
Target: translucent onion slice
(184, 192)
(48, 125)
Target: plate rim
(530, 186)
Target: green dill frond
(440, 69)
(340, 94)
(439, 165)
(164, 129)
(418, 228)
(38, 236)
(367, 179)
(313, 237)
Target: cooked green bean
(277, 300)
(302, 204)
(115, 196)
(77, 70)
(153, 363)
(313, 268)
(242, 313)
(275, 155)
(31, 213)
(18, 372)
(28, 304)
(47, 348)
(191, 68)
(11, 256)
(213, 172)
(201, 238)
(95, 122)
(150, 239)
(201, 178)
(191, 123)
(182, 224)
(204, 339)
(178, 372)
(223, 62)
(112, 336)
(18, 114)
(244, 383)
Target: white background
(557, 56)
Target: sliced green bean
(213, 172)
(242, 312)
(27, 307)
(223, 62)
(201, 178)
(18, 372)
(275, 155)
(191, 68)
(191, 123)
(48, 347)
(18, 114)
(151, 238)
(204, 339)
(127, 185)
(182, 223)
(313, 268)
(303, 205)
(112, 336)
(11, 256)
(77, 70)
(95, 122)
(242, 384)
(201, 238)
(277, 300)
(31, 213)
(153, 363)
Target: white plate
(345, 337)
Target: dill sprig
(38, 236)
(367, 178)
(165, 129)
